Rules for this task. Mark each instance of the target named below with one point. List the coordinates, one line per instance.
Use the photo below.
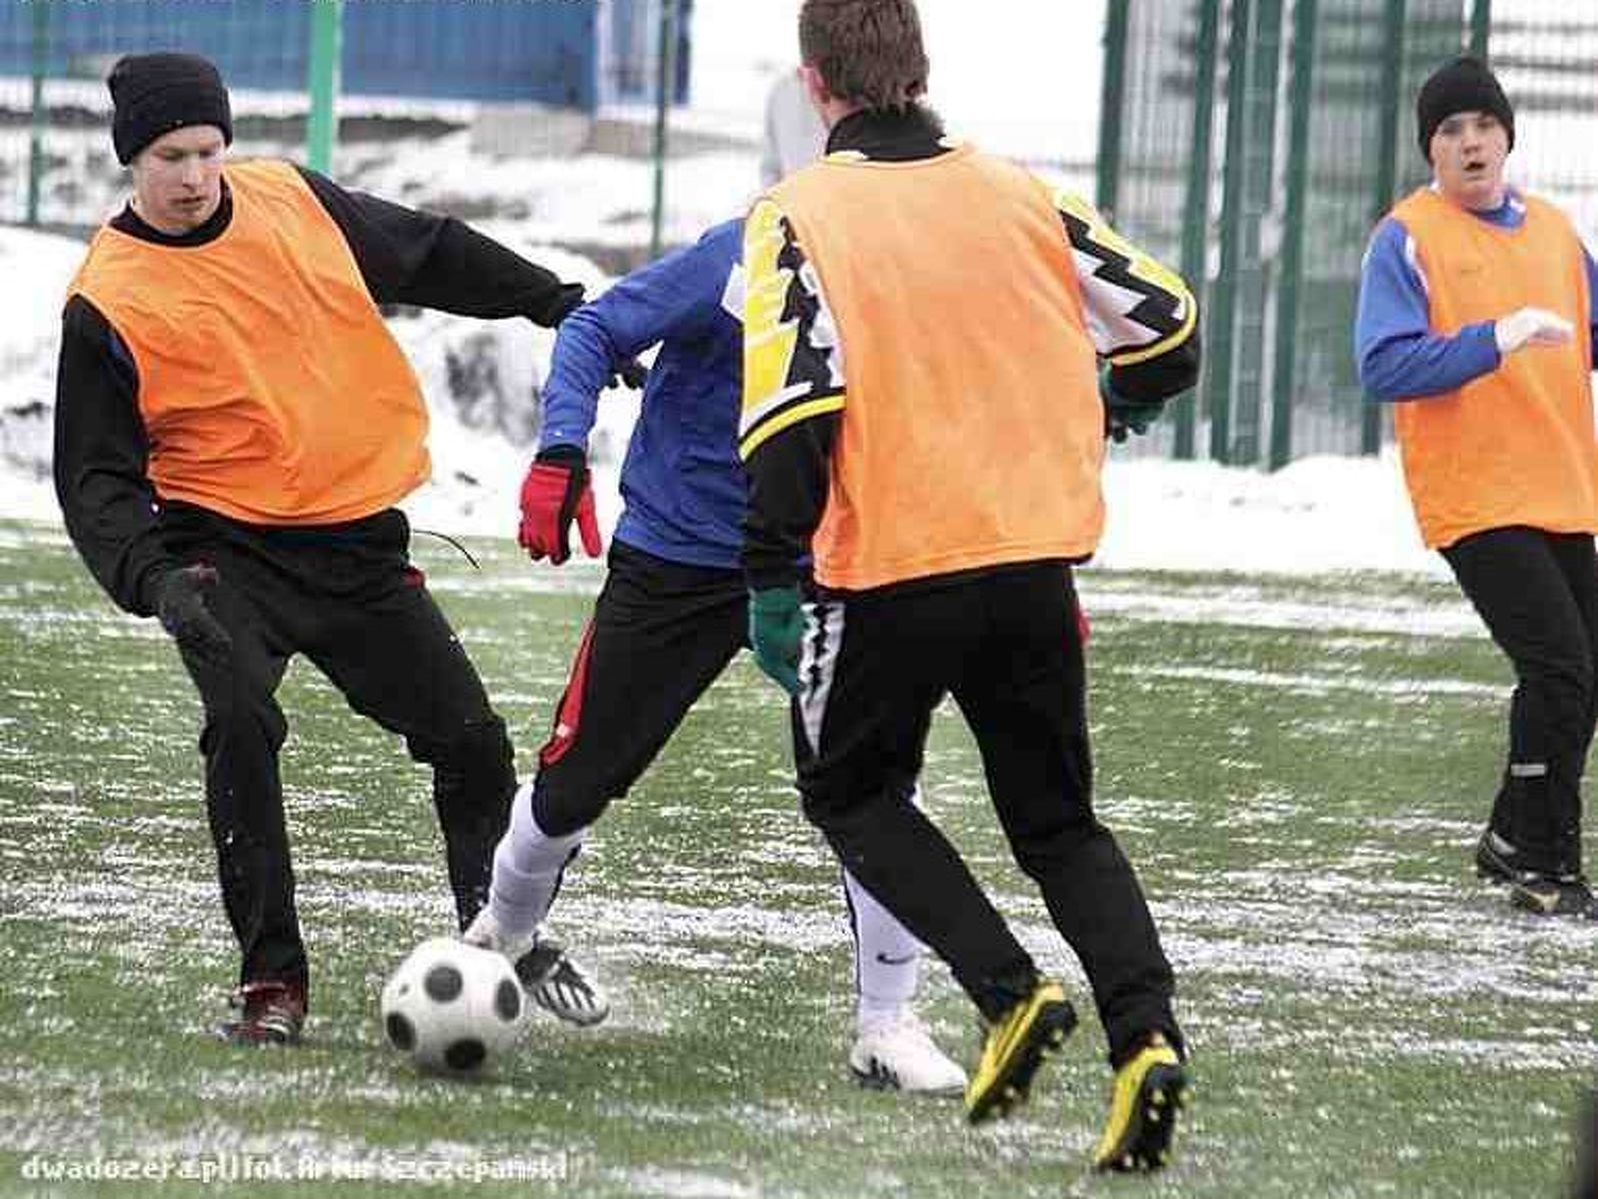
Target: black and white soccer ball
(453, 1007)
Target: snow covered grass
(1297, 765)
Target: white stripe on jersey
(818, 660)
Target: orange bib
(1515, 446)
(270, 389)
(972, 434)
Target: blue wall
(542, 50)
(511, 50)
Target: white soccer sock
(527, 869)
(887, 959)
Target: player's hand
(776, 624)
(1531, 327)
(630, 374)
(1123, 416)
(180, 605)
(554, 493)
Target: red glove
(553, 493)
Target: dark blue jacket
(681, 483)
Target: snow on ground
(1318, 515)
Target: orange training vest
(1514, 446)
(270, 389)
(972, 433)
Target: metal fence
(397, 58)
(1257, 142)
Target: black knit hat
(1464, 85)
(154, 94)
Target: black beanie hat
(1464, 85)
(153, 94)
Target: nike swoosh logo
(891, 961)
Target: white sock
(527, 869)
(887, 959)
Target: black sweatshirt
(101, 448)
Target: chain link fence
(419, 68)
(1257, 142)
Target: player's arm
(101, 456)
(793, 399)
(410, 257)
(1400, 356)
(675, 297)
(1141, 315)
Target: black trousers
(1537, 592)
(660, 634)
(348, 599)
(1006, 645)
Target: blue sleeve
(1400, 356)
(674, 297)
(1592, 301)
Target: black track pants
(1005, 643)
(364, 617)
(1537, 593)
(661, 633)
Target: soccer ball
(453, 1007)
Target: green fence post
(665, 74)
(1196, 203)
(1252, 295)
(1223, 302)
(1112, 98)
(321, 125)
(1481, 25)
(1285, 364)
(36, 126)
(1393, 26)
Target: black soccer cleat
(1015, 1047)
(1497, 860)
(1553, 895)
(560, 986)
(272, 1012)
(1151, 1088)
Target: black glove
(630, 374)
(1123, 416)
(569, 301)
(180, 603)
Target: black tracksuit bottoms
(1537, 592)
(1005, 644)
(661, 634)
(349, 600)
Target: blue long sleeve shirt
(1400, 356)
(682, 485)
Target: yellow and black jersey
(1139, 311)
(793, 369)
(926, 328)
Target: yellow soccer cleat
(1015, 1046)
(1150, 1089)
